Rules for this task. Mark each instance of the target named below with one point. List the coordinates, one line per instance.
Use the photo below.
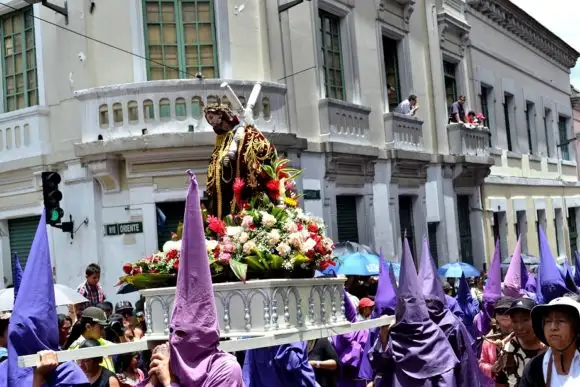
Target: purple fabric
(550, 282)
(33, 325)
(512, 282)
(393, 277)
(468, 304)
(388, 378)
(194, 332)
(416, 344)
(16, 274)
(467, 370)
(576, 269)
(349, 310)
(350, 350)
(524, 274)
(280, 366)
(568, 278)
(531, 283)
(492, 289)
(454, 307)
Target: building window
(432, 234)
(406, 221)
(390, 55)
(331, 46)
(507, 105)
(485, 94)
(346, 218)
(530, 121)
(547, 120)
(463, 212)
(180, 38)
(500, 232)
(21, 233)
(18, 60)
(558, 229)
(572, 231)
(563, 137)
(449, 70)
(521, 227)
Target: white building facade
(121, 130)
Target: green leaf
(253, 263)
(276, 261)
(240, 269)
(300, 259)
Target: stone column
(477, 229)
(6, 267)
(313, 179)
(419, 221)
(384, 222)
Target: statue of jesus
(240, 151)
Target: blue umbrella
(358, 263)
(396, 268)
(455, 269)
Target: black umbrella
(344, 248)
(127, 288)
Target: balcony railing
(172, 106)
(344, 122)
(468, 141)
(403, 132)
(24, 133)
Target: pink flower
(224, 257)
(247, 221)
(228, 248)
(480, 116)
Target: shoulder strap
(549, 373)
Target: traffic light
(52, 197)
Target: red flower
(280, 173)
(127, 268)
(172, 254)
(273, 187)
(238, 188)
(136, 270)
(325, 263)
(300, 227)
(216, 225)
(176, 265)
(313, 227)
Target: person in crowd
(409, 106)
(493, 343)
(365, 307)
(115, 329)
(128, 372)
(557, 325)
(458, 111)
(477, 289)
(125, 309)
(4, 321)
(521, 348)
(390, 90)
(140, 327)
(448, 288)
(471, 118)
(90, 327)
(323, 358)
(159, 369)
(469, 306)
(107, 307)
(64, 326)
(91, 288)
(98, 375)
(128, 335)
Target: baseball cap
(96, 315)
(523, 304)
(366, 302)
(123, 306)
(503, 304)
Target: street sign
(123, 228)
(311, 194)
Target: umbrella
(345, 248)
(359, 263)
(127, 288)
(455, 269)
(396, 268)
(63, 296)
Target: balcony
(468, 141)
(172, 106)
(344, 122)
(24, 133)
(403, 132)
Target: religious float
(263, 251)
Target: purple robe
(280, 366)
(468, 305)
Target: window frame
(530, 124)
(508, 99)
(398, 92)
(563, 129)
(547, 117)
(451, 76)
(24, 49)
(332, 17)
(180, 38)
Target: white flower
(249, 246)
(290, 227)
(171, 245)
(308, 245)
(233, 230)
(268, 220)
(288, 265)
(247, 221)
(327, 243)
(243, 237)
(295, 239)
(283, 249)
(273, 237)
(211, 244)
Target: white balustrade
(24, 133)
(344, 122)
(403, 132)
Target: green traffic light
(54, 215)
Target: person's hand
(384, 335)
(47, 363)
(160, 369)
(371, 384)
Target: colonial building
(520, 80)
(121, 130)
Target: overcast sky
(561, 17)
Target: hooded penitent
(568, 278)
(576, 269)
(531, 283)
(491, 293)
(419, 353)
(16, 274)
(550, 284)
(385, 303)
(454, 307)
(194, 333)
(469, 306)
(512, 283)
(467, 371)
(349, 309)
(34, 324)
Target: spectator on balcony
(458, 111)
(470, 118)
(409, 106)
(390, 89)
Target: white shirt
(570, 380)
(405, 107)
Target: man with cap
(365, 308)
(125, 309)
(522, 347)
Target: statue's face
(220, 126)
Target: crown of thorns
(220, 108)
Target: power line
(127, 51)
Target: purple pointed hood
(492, 289)
(551, 284)
(531, 283)
(385, 299)
(467, 303)
(417, 345)
(194, 330)
(568, 278)
(512, 283)
(34, 324)
(524, 273)
(349, 309)
(393, 277)
(16, 274)
(576, 269)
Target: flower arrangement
(268, 236)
